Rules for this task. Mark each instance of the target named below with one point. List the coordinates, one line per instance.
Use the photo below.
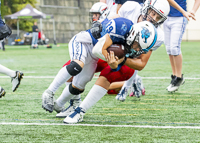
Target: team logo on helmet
(145, 34)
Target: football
(118, 50)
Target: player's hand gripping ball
(118, 50)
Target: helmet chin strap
(134, 54)
(145, 50)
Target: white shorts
(174, 28)
(83, 52)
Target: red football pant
(122, 75)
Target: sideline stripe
(100, 122)
(97, 125)
(97, 77)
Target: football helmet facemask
(145, 34)
(161, 7)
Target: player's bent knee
(74, 91)
(73, 68)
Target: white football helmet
(100, 8)
(162, 7)
(145, 34)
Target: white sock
(64, 97)
(5, 70)
(95, 94)
(76, 97)
(60, 78)
(67, 83)
(129, 81)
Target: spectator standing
(174, 28)
(35, 36)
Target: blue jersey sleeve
(94, 41)
(118, 29)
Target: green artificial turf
(156, 108)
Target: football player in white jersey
(156, 9)
(98, 11)
(150, 12)
(15, 76)
(81, 68)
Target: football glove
(96, 29)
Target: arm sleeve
(160, 39)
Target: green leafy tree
(12, 6)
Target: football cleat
(57, 108)
(2, 92)
(137, 88)
(47, 101)
(117, 97)
(172, 77)
(123, 94)
(75, 117)
(133, 94)
(73, 104)
(16, 80)
(177, 82)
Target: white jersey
(132, 10)
(112, 6)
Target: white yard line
(97, 77)
(31, 77)
(97, 125)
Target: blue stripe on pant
(77, 49)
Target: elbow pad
(97, 49)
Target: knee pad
(74, 91)
(73, 68)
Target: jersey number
(109, 28)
